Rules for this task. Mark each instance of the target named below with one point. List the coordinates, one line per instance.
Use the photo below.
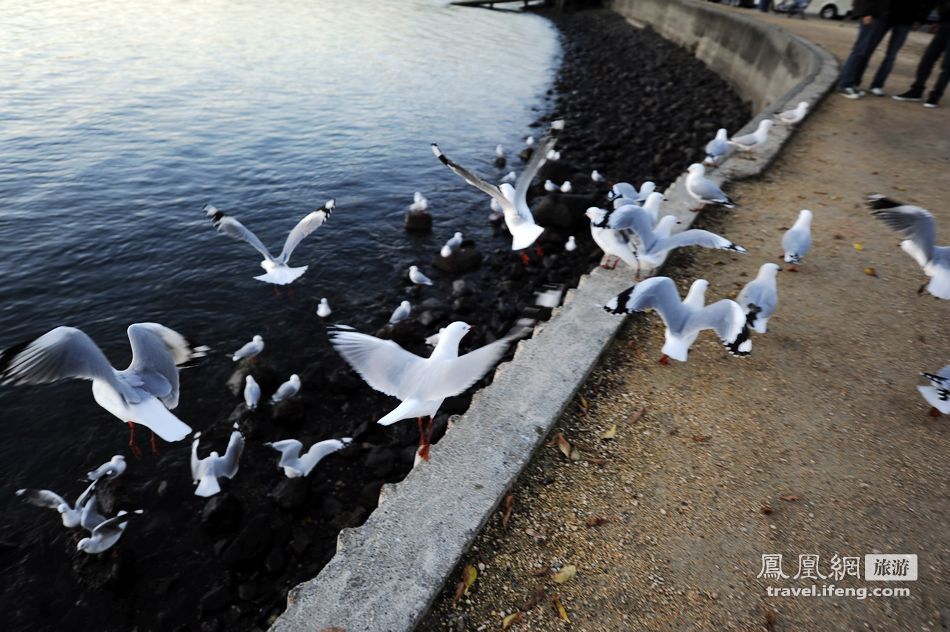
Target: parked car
(832, 9)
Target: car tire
(829, 12)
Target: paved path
(817, 444)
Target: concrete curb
(386, 573)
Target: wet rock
(248, 590)
(291, 493)
(465, 259)
(251, 543)
(456, 405)
(379, 461)
(215, 599)
(461, 287)
(289, 413)
(275, 562)
(302, 540)
(465, 304)
(418, 222)
(221, 514)
(556, 171)
(330, 506)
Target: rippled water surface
(120, 120)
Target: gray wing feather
(695, 237)
(227, 465)
(382, 363)
(726, 317)
(538, 158)
(42, 498)
(153, 361)
(657, 293)
(236, 230)
(464, 371)
(64, 352)
(633, 217)
(474, 180)
(304, 227)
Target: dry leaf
(510, 620)
(509, 507)
(596, 521)
(766, 509)
(857, 246)
(564, 445)
(610, 433)
(870, 272)
(469, 575)
(559, 609)
(790, 498)
(699, 438)
(565, 574)
(576, 454)
(459, 591)
(583, 402)
(638, 415)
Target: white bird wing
(728, 320)
(304, 227)
(717, 147)
(633, 217)
(746, 140)
(474, 180)
(317, 452)
(115, 523)
(452, 377)
(227, 465)
(623, 190)
(64, 352)
(915, 223)
(236, 230)
(289, 452)
(761, 294)
(89, 516)
(155, 350)
(656, 293)
(42, 498)
(383, 364)
(538, 158)
(694, 237)
(87, 494)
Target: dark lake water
(120, 120)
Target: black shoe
(932, 102)
(910, 95)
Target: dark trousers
(857, 60)
(764, 5)
(939, 45)
(899, 34)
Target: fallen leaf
(596, 521)
(469, 575)
(509, 507)
(459, 591)
(858, 246)
(766, 509)
(559, 609)
(790, 498)
(700, 438)
(870, 272)
(510, 620)
(564, 445)
(637, 416)
(610, 433)
(576, 454)
(583, 402)
(565, 574)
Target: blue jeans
(764, 5)
(899, 34)
(939, 45)
(857, 61)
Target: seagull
(596, 176)
(513, 200)
(511, 176)
(656, 243)
(615, 243)
(500, 159)
(144, 393)
(717, 148)
(759, 298)
(756, 139)
(206, 472)
(529, 141)
(297, 466)
(646, 189)
(112, 468)
(252, 392)
(417, 277)
(401, 313)
(703, 189)
(937, 395)
(104, 533)
(652, 206)
(566, 187)
(571, 245)
(419, 203)
(286, 390)
(497, 213)
(796, 242)
(421, 383)
(685, 319)
(451, 245)
(623, 190)
(323, 309)
(550, 187)
(250, 350)
(552, 155)
(917, 225)
(70, 515)
(795, 115)
(276, 268)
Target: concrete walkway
(817, 444)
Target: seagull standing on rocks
(276, 269)
(759, 298)
(717, 148)
(296, 465)
(323, 309)
(550, 187)
(419, 203)
(206, 472)
(596, 176)
(917, 225)
(796, 242)
(937, 395)
(793, 116)
(566, 187)
(452, 245)
(756, 139)
(144, 393)
(113, 468)
(70, 515)
(249, 350)
(417, 277)
(401, 313)
(421, 383)
(252, 392)
(500, 159)
(685, 319)
(571, 245)
(704, 190)
(286, 390)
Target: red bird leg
(132, 446)
(525, 259)
(616, 262)
(934, 412)
(793, 267)
(421, 433)
(538, 250)
(664, 359)
(424, 452)
(155, 451)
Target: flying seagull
(295, 464)
(103, 533)
(70, 514)
(112, 468)
(206, 472)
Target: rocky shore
(637, 108)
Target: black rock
(251, 543)
(275, 562)
(291, 493)
(221, 514)
(215, 599)
(418, 222)
(248, 590)
(379, 461)
(465, 259)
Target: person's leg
(879, 29)
(937, 44)
(937, 93)
(859, 50)
(898, 36)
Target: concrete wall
(764, 63)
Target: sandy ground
(817, 444)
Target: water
(120, 120)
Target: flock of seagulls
(630, 227)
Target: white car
(831, 9)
